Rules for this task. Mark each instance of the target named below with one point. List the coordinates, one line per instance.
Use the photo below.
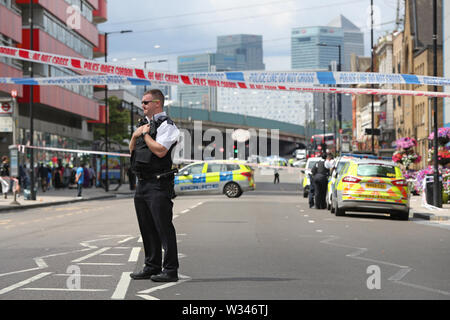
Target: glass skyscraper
(248, 45)
(307, 55)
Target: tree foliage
(119, 122)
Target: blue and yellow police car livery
(371, 186)
(229, 177)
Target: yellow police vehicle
(338, 165)
(371, 185)
(306, 184)
(231, 178)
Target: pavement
(54, 197)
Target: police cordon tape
(103, 80)
(237, 80)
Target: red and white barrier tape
(134, 75)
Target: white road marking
(423, 288)
(125, 240)
(182, 279)
(122, 286)
(100, 264)
(134, 255)
(64, 289)
(83, 275)
(121, 247)
(147, 297)
(311, 221)
(319, 230)
(112, 254)
(92, 254)
(24, 282)
(400, 274)
(140, 239)
(185, 211)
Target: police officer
(320, 179)
(150, 147)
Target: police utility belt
(155, 177)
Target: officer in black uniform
(151, 147)
(320, 179)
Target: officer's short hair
(156, 94)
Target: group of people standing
(319, 181)
(62, 177)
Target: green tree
(119, 122)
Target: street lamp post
(437, 193)
(32, 173)
(371, 70)
(106, 108)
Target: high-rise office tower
(307, 54)
(201, 97)
(317, 48)
(250, 46)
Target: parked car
(231, 178)
(371, 185)
(338, 165)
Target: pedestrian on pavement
(66, 176)
(276, 178)
(4, 176)
(79, 179)
(92, 175)
(151, 147)
(43, 175)
(87, 178)
(320, 180)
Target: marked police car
(229, 177)
(371, 185)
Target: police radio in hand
(142, 122)
(153, 128)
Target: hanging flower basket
(443, 136)
(405, 155)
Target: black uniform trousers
(154, 206)
(320, 190)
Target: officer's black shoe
(144, 274)
(165, 277)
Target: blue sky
(167, 29)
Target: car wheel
(332, 206)
(338, 211)
(305, 192)
(232, 190)
(401, 215)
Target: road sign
(5, 107)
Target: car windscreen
(376, 170)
